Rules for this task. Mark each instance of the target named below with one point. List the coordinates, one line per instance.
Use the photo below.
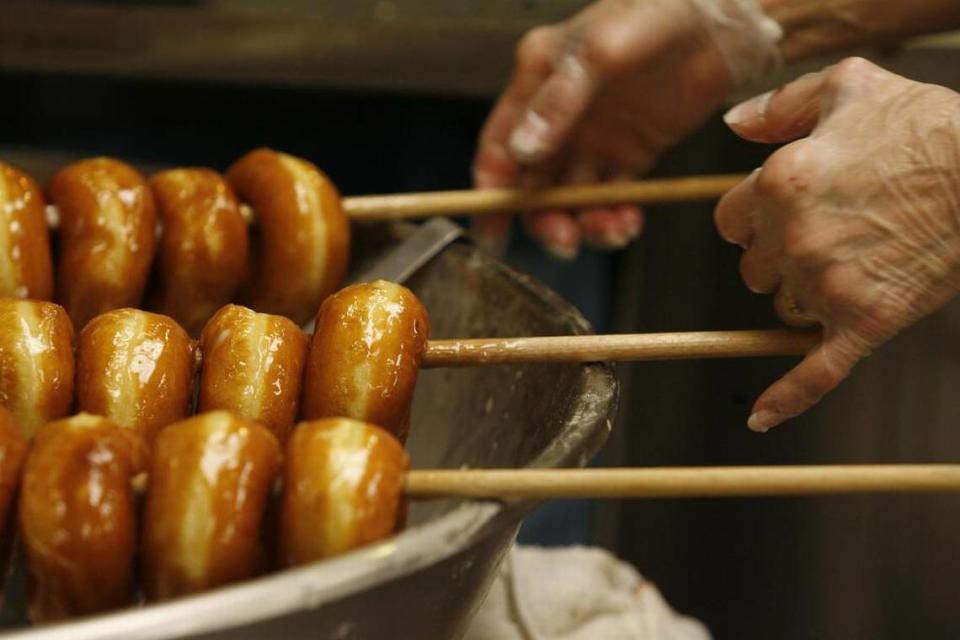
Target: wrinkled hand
(600, 96)
(855, 225)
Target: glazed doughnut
(203, 247)
(253, 367)
(36, 362)
(135, 368)
(364, 356)
(26, 269)
(107, 236)
(77, 517)
(301, 255)
(210, 480)
(341, 490)
(13, 449)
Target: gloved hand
(600, 96)
(855, 225)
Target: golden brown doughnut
(253, 367)
(365, 354)
(203, 247)
(301, 255)
(77, 517)
(13, 450)
(107, 236)
(210, 480)
(26, 269)
(342, 489)
(135, 368)
(36, 362)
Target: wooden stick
(682, 482)
(618, 347)
(399, 206)
(472, 202)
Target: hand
(600, 96)
(855, 225)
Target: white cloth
(576, 593)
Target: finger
(553, 111)
(494, 165)
(804, 385)
(733, 216)
(492, 232)
(631, 215)
(603, 228)
(781, 115)
(556, 230)
(759, 271)
(599, 225)
(791, 310)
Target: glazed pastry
(252, 367)
(36, 362)
(107, 236)
(135, 368)
(365, 354)
(13, 450)
(203, 247)
(210, 480)
(26, 270)
(342, 489)
(77, 517)
(301, 255)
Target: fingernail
(749, 110)
(495, 245)
(616, 239)
(528, 140)
(763, 420)
(561, 252)
(562, 243)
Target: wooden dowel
(473, 202)
(398, 206)
(617, 347)
(682, 482)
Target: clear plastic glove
(600, 96)
(856, 225)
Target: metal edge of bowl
(311, 586)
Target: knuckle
(534, 46)
(786, 172)
(602, 50)
(848, 70)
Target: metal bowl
(427, 581)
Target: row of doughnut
(210, 477)
(205, 254)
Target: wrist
(746, 38)
(815, 27)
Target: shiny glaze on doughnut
(77, 517)
(107, 236)
(210, 480)
(253, 367)
(203, 248)
(342, 489)
(26, 269)
(365, 354)
(135, 368)
(302, 251)
(13, 450)
(36, 362)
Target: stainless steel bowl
(428, 581)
